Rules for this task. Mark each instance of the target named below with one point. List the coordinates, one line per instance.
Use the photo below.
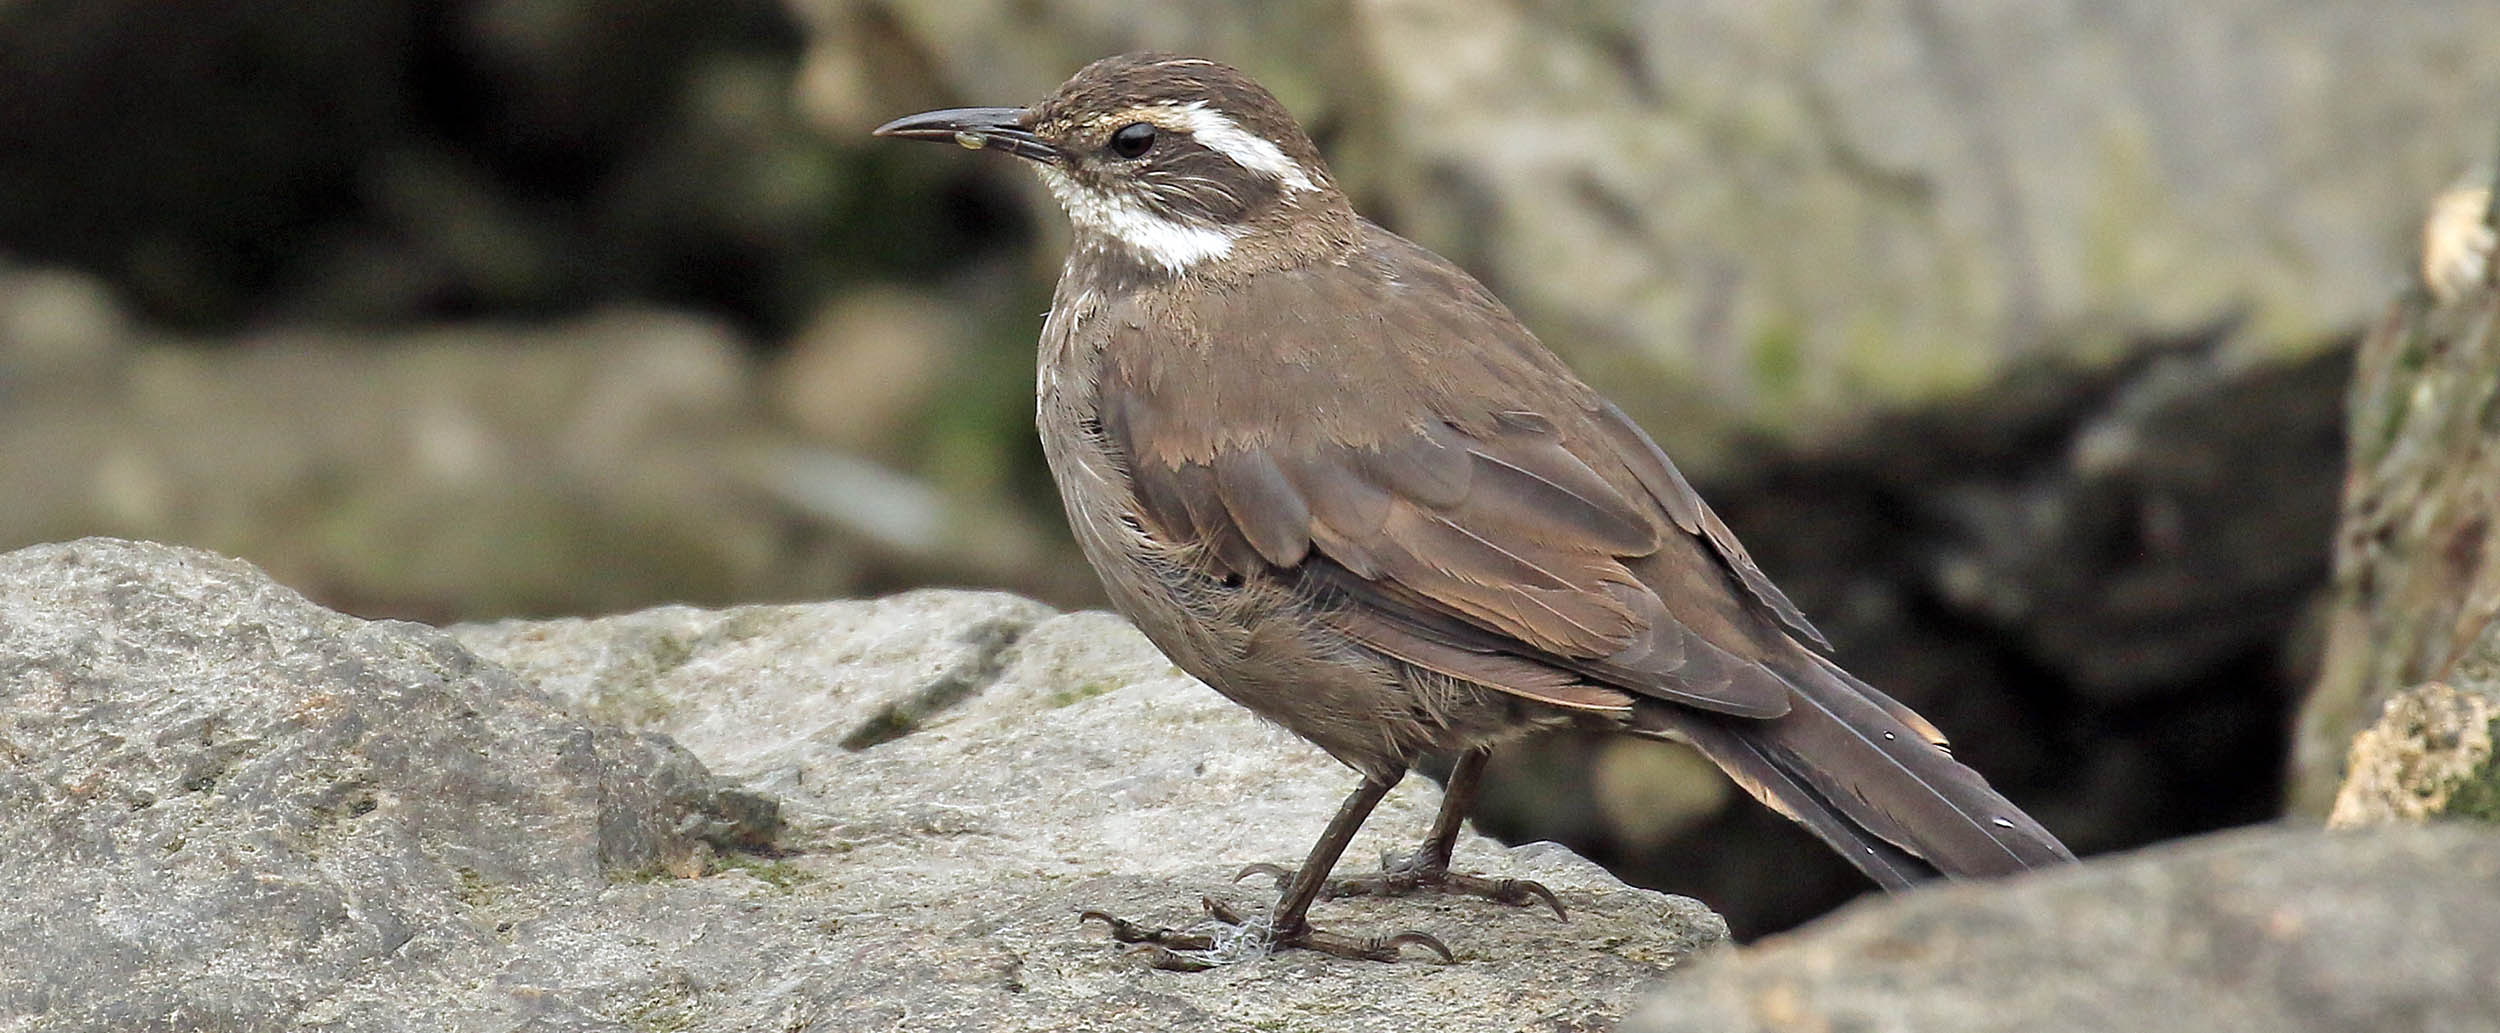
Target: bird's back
(1372, 457)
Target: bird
(1329, 474)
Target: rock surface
(2417, 560)
(469, 471)
(1806, 201)
(2280, 930)
(226, 808)
(1798, 203)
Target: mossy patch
(1778, 358)
(773, 872)
(1081, 693)
(2476, 797)
(653, 872)
(667, 1013)
(473, 889)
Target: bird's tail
(1867, 776)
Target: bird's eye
(1133, 140)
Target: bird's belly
(1259, 642)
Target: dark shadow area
(2095, 582)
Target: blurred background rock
(2012, 337)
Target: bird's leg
(1429, 866)
(1289, 924)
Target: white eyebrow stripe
(1175, 246)
(1249, 150)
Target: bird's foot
(1173, 950)
(1238, 939)
(1405, 875)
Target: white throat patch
(1152, 238)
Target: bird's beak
(975, 128)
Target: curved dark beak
(975, 128)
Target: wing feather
(1382, 436)
(1471, 487)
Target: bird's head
(1176, 163)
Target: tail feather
(1868, 777)
(1772, 782)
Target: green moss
(2476, 797)
(653, 872)
(671, 650)
(473, 890)
(1778, 357)
(1875, 362)
(668, 1013)
(780, 875)
(1081, 693)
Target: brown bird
(1328, 474)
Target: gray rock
(225, 808)
(2276, 929)
(416, 474)
(1806, 202)
(223, 804)
(425, 474)
(967, 771)
(2417, 581)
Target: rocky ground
(2288, 930)
(226, 808)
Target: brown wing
(1490, 517)
(1666, 485)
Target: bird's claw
(1400, 877)
(1221, 911)
(1368, 948)
(1164, 958)
(1175, 950)
(1279, 872)
(1518, 892)
(1159, 937)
